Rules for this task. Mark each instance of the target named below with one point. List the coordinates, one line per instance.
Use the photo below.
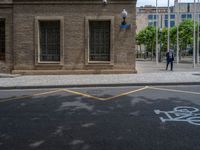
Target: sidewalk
(148, 74)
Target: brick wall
(74, 14)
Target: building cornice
(72, 1)
(6, 2)
(40, 2)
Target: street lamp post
(198, 36)
(160, 42)
(168, 40)
(194, 36)
(177, 40)
(156, 31)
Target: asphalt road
(123, 118)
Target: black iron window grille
(2, 39)
(49, 40)
(99, 41)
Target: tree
(163, 39)
(186, 29)
(173, 36)
(148, 38)
(140, 39)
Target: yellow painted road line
(73, 92)
(29, 96)
(82, 94)
(104, 99)
(15, 98)
(127, 93)
(49, 92)
(172, 90)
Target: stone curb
(9, 76)
(99, 85)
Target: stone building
(146, 15)
(67, 36)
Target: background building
(66, 36)
(146, 16)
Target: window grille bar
(49, 40)
(99, 41)
(2, 39)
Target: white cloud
(160, 2)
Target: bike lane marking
(187, 114)
(180, 113)
(172, 90)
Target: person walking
(170, 59)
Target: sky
(160, 2)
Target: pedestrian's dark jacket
(170, 56)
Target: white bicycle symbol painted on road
(181, 113)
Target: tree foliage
(186, 30)
(148, 36)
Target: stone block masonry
(23, 45)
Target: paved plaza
(148, 74)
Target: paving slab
(148, 74)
